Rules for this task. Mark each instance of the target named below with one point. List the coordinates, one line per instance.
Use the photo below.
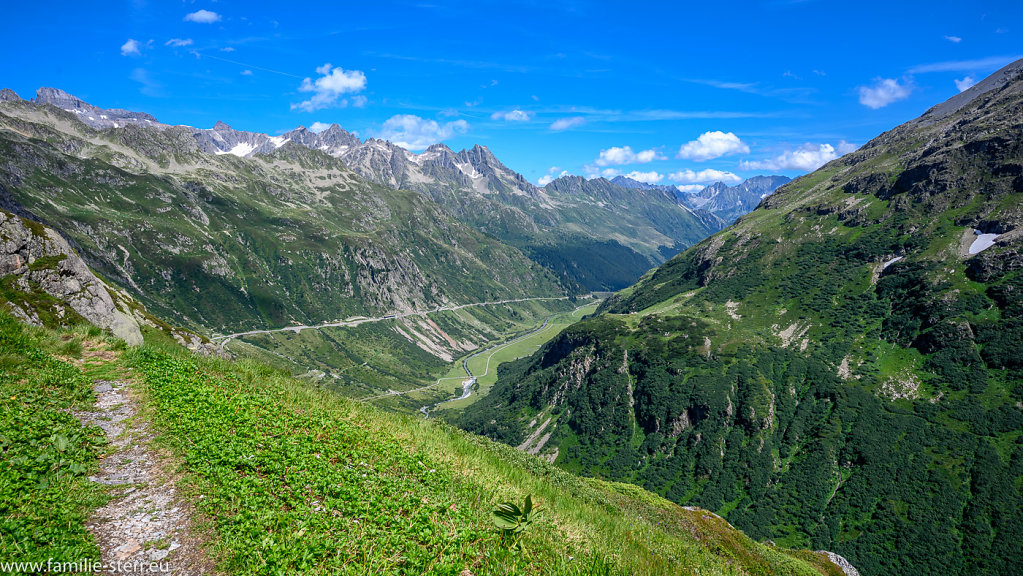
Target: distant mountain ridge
(723, 201)
(291, 236)
(597, 235)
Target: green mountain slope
(840, 369)
(292, 480)
(235, 243)
(288, 478)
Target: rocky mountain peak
(712, 190)
(222, 126)
(439, 147)
(93, 116)
(338, 136)
(627, 182)
(8, 95)
(479, 157)
(59, 98)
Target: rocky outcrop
(8, 95)
(94, 116)
(42, 261)
(847, 568)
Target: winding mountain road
(222, 340)
(470, 378)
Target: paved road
(470, 378)
(465, 366)
(224, 339)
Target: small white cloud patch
(550, 176)
(414, 133)
(806, 158)
(712, 145)
(617, 156)
(330, 86)
(883, 92)
(130, 48)
(966, 83)
(203, 17)
(708, 175)
(178, 42)
(847, 147)
(651, 177)
(512, 116)
(566, 123)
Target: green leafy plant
(514, 521)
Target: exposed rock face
(94, 116)
(847, 568)
(63, 275)
(8, 95)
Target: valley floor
(411, 360)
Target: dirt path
(146, 527)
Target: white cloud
(954, 39)
(130, 48)
(228, 49)
(566, 123)
(246, 72)
(712, 145)
(806, 158)
(594, 172)
(651, 177)
(616, 156)
(846, 147)
(707, 176)
(178, 42)
(512, 116)
(202, 17)
(690, 188)
(965, 83)
(883, 92)
(415, 133)
(318, 127)
(550, 177)
(330, 86)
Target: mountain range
(839, 369)
(595, 234)
(224, 242)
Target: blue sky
(671, 92)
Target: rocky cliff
(35, 259)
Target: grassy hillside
(295, 480)
(837, 370)
(45, 494)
